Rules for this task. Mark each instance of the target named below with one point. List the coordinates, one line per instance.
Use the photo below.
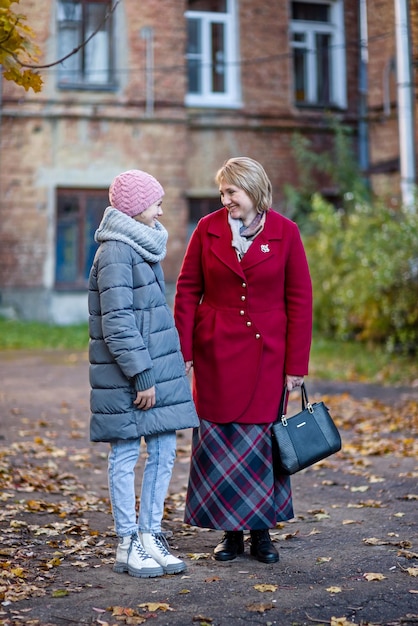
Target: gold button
(243, 298)
(249, 324)
(257, 336)
(244, 285)
(242, 312)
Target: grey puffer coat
(132, 330)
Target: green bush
(364, 265)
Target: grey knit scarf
(150, 243)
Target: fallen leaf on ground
(264, 587)
(373, 576)
(156, 606)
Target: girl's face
(238, 202)
(150, 216)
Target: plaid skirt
(231, 484)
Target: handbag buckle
(310, 407)
(284, 420)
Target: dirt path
(348, 557)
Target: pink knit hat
(134, 191)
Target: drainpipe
(405, 103)
(363, 130)
(147, 33)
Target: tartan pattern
(231, 482)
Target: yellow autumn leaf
(264, 587)
(362, 488)
(412, 571)
(195, 556)
(156, 606)
(323, 559)
(185, 591)
(122, 610)
(373, 576)
(60, 593)
(374, 541)
(334, 589)
(341, 621)
(320, 516)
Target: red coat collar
(259, 252)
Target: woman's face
(150, 216)
(238, 202)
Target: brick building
(173, 87)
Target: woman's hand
(188, 365)
(145, 399)
(293, 381)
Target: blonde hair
(250, 176)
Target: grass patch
(358, 362)
(330, 360)
(21, 335)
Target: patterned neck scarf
(243, 236)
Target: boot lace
(137, 546)
(162, 544)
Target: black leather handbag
(305, 438)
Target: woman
(137, 375)
(243, 309)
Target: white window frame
(334, 28)
(231, 98)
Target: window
(92, 66)
(198, 208)
(212, 68)
(317, 40)
(78, 215)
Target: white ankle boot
(157, 547)
(132, 558)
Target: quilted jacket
(132, 330)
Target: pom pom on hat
(134, 191)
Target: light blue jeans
(122, 459)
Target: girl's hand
(188, 365)
(145, 399)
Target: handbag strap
(285, 395)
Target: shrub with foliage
(364, 265)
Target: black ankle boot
(231, 545)
(262, 547)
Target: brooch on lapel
(265, 247)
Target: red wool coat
(244, 324)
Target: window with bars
(79, 212)
(318, 51)
(92, 66)
(212, 69)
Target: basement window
(79, 212)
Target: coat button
(243, 298)
(257, 336)
(244, 285)
(242, 312)
(249, 324)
